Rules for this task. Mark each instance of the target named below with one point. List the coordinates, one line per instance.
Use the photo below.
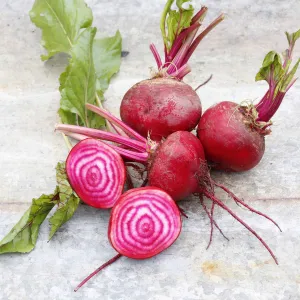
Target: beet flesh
(161, 106)
(96, 172)
(230, 144)
(144, 222)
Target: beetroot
(161, 106)
(178, 166)
(96, 172)
(229, 142)
(233, 135)
(164, 104)
(143, 222)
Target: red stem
(181, 72)
(115, 258)
(199, 15)
(178, 42)
(100, 134)
(177, 62)
(136, 156)
(108, 116)
(156, 55)
(201, 36)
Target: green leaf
(60, 22)
(292, 37)
(78, 82)
(63, 213)
(178, 20)
(23, 236)
(67, 203)
(290, 77)
(107, 59)
(272, 69)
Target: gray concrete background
(29, 151)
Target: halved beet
(144, 222)
(96, 172)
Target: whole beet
(161, 106)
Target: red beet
(96, 172)
(163, 104)
(180, 169)
(143, 222)
(233, 135)
(160, 107)
(178, 166)
(229, 142)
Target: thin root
(221, 204)
(182, 211)
(239, 201)
(112, 260)
(211, 221)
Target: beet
(178, 166)
(164, 104)
(96, 172)
(143, 222)
(160, 107)
(233, 135)
(230, 143)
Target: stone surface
(29, 151)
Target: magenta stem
(179, 41)
(199, 15)
(181, 72)
(136, 156)
(201, 36)
(108, 116)
(156, 55)
(115, 258)
(177, 61)
(100, 134)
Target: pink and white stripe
(144, 222)
(96, 172)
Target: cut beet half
(144, 222)
(96, 172)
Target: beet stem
(177, 62)
(236, 199)
(156, 55)
(208, 214)
(181, 72)
(179, 41)
(221, 204)
(200, 37)
(115, 258)
(199, 15)
(108, 116)
(136, 156)
(100, 134)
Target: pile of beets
(155, 137)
